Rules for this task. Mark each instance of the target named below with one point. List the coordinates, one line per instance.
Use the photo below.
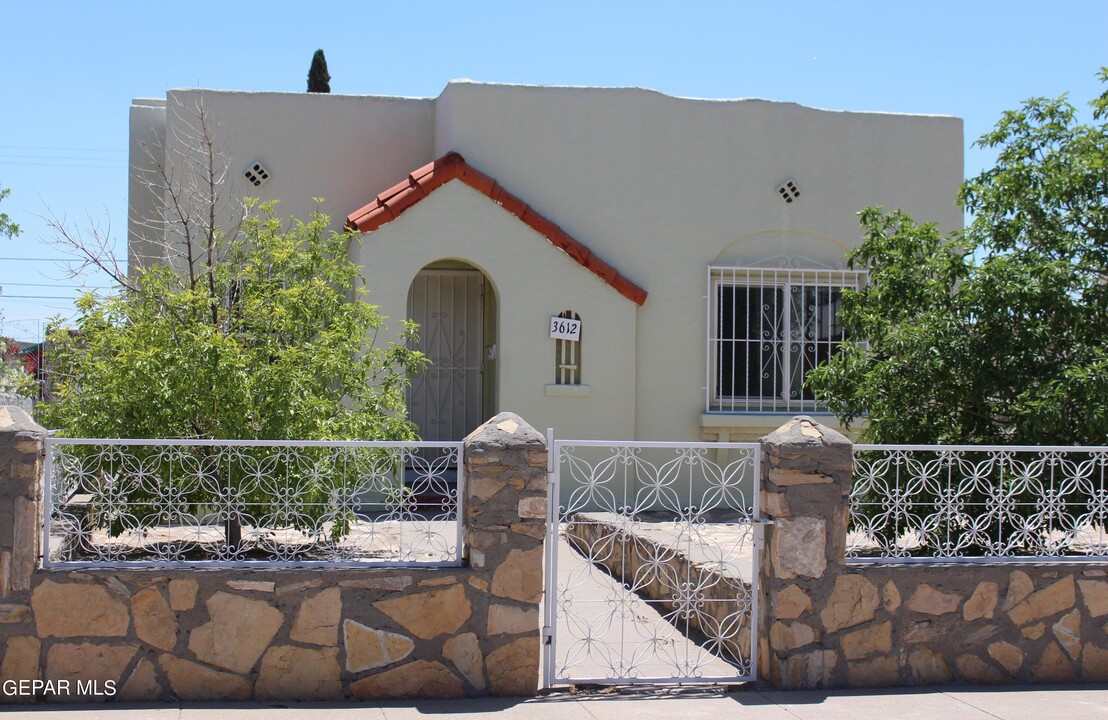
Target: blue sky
(71, 70)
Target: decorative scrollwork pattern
(655, 570)
(965, 503)
(192, 502)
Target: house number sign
(565, 329)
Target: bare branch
(195, 216)
(93, 250)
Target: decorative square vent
(256, 175)
(788, 191)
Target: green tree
(319, 80)
(1000, 334)
(264, 344)
(271, 341)
(13, 376)
(231, 323)
(7, 228)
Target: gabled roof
(391, 203)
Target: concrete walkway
(1071, 702)
(608, 631)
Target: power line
(54, 260)
(59, 149)
(40, 163)
(63, 157)
(39, 156)
(27, 259)
(5, 296)
(43, 306)
(53, 285)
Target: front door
(445, 402)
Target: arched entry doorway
(455, 307)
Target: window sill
(750, 427)
(740, 411)
(568, 391)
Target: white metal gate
(445, 402)
(652, 567)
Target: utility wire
(5, 296)
(60, 149)
(39, 163)
(55, 157)
(53, 285)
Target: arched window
(567, 356)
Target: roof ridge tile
(388, 206)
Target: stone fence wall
(303, 634)
(300, 634)
(825, 623)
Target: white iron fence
(965, 503)
(248, 502)
(652, 570)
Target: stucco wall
(532, 281)
(658, 186)
(144, 201)
(662, 186)
(342, 148)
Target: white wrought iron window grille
(767, 327)
(567, 356)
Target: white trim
(567, 391)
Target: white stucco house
(698, 242)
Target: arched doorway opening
(455, 306)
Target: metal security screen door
(445, 402)
(651, 563)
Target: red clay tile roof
(452, 166)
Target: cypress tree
(319, 80)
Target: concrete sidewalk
(1067, 702)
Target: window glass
(768, 328)
(567, 355)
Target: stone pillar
(22, 448)
(806, 480)
(505, 524)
